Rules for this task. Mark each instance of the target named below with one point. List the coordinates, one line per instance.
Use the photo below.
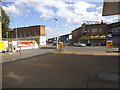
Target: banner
(25, 44)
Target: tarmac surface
(66, 68)
(62, 71)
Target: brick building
(113, 34)
(93, 34)
(76, 34)
(37, 31)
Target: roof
(116, 24)
(110, 8)
(31, 26)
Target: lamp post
(57, 31)
(16, 32)
(15, 29)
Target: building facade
(113, 34)
(76, 34)
(37, 31)
(66, 39)
(94, 34)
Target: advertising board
(24, 45)
(2, 45)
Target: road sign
(109, 35)
(2, 46)
(109, 44)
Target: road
(62, 71)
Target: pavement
(66, 50)
(25, 54)
(103, 53)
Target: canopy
(111, 8)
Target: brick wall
(30, 31)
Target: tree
(5, 23)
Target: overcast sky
(70, 14)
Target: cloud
(51, 32)
(65, 25)
(74, 11)
(16, 9)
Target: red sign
(25, 44)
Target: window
(36, 33)
(30, 33)
(24, 34)
(100, 30)
(94, 30)
(21, 34)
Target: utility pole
(16, 32)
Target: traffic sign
(2, 46)
(109, 35)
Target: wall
(90, 34)
(30, 31)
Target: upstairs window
(100, 30)
(94, 30)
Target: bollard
(20, 51)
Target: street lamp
(15, 29)
(57, 31)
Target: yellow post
(109, 44)
(60, 45)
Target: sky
(70, 14)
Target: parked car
(79, 44)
